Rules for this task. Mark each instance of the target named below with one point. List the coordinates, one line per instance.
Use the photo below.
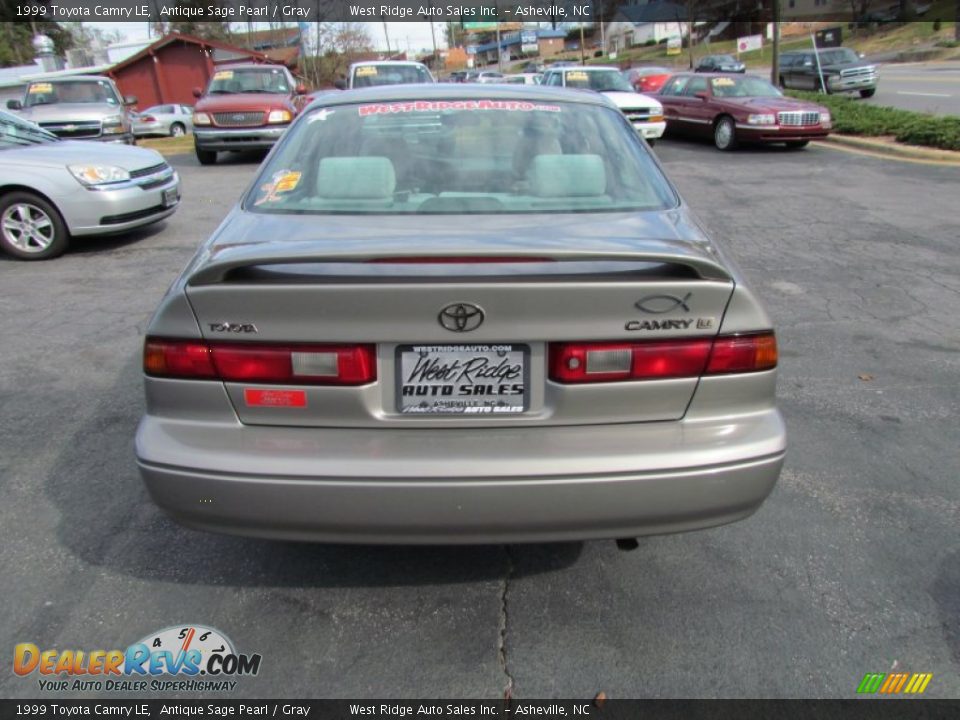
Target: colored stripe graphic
(918, 683)
(871, 682)
(894, 683)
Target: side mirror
(197, 92)
(14, 105)
(702, 95)
(340, 84)
(130, 100)
(301, 89)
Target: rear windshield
(462, 156)
(370, 75)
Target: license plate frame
(457, 403)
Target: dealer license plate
(462, 379)
(170, 197)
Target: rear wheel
(31, 228)
(177, 130)
(206, 157)
(651, 142)
(797, 144)
(868, 93)
(725, 133)
(783, 83)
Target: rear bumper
(460, 486)
(255, 138)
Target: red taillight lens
(743, 353)
(278, 364)
(178, 358)
(661, 359)
(603, 362)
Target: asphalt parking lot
(852, 565)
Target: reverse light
(262, 364)
(661, 359)
(279, 116)
(96, 175)
(201, 118)
(762, 119)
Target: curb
(894, 149)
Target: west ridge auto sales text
(551, 12)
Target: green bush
(947, 43)
(854, 117)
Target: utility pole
(499, 47)
(436, 55)
(386, 35)
(583, 57)
(775, 63)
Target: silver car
(173, 120)
(52, 189)
(460, 314)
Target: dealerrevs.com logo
(178, 659)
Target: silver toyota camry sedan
(460, 314)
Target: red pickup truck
(245, 107)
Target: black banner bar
(855, 709)
(467, 11)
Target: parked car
(843, 70)
(78, 107)
(487, 76)
(647, 79)
(173, 120)
(460, 314)
(53, 189)
(720, 63)
(733, 109)
(245, 107)
(385, 72)
(644, 112)
(458, 76)
(523, 78)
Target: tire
(31, 228)
(206, 157)
(177, 130)
(783, 83)
(797, 144)
(651, 142)
(725, 133)
(868, 93)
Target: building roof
(175, 37)
(13, 76)
(91, 70)
(270, 39)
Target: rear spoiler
(227, 261)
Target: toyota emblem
(461, 317)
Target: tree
(16, 37)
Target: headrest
(356, 178)
(567, 176)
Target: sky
(403, 35)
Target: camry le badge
(461, 317)
(659, 304)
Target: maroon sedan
(647, 79)
(739, 108)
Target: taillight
(255, 363)
(661, 359)
(743, 353)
